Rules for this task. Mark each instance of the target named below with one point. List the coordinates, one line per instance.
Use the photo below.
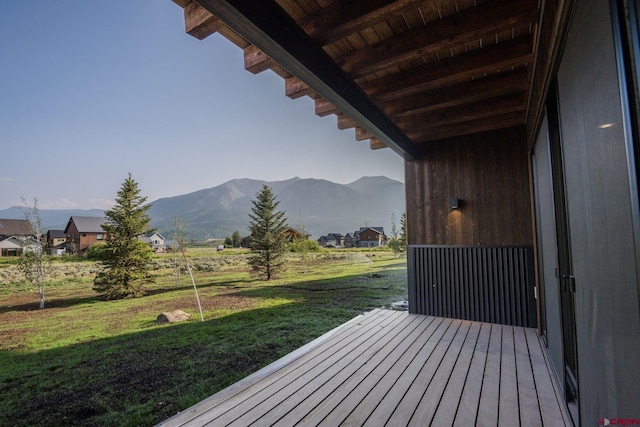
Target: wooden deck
(390, 368)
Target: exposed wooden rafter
(482, 21)
(503, 56)
(344, 18)
(471, 91)
(270, 29)
(401, 73)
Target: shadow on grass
(246, 287)
(189, 285)
(49, 303)
(145, 377)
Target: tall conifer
(126, 267)
(267, 241)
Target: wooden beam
(324, 108)
(502, 56)
(468, 128)
(467, 26)
(362, 134)
(475, 90)
(346, 17)
(182, 3)
(467, 112)
(256, 60)
(296, 88)
(344, 122)
(267, 26)
(376, 144)
(199, 23)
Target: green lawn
(83, 361)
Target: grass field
(83, 361)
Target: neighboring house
(350, 240)
(293, 234)
(156, 241)
(11, 246)
(13, 235)
(371, 237)
(14, 227)
(56, 242)
(335, 240)
(84, 231)
(245, 242)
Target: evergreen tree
(236, 239)
(126, 265)
(267, 241)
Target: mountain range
(318, 205)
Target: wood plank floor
(391, 368)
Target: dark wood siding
(489, 174)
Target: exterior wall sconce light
(454, 203)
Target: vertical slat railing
(484, 283)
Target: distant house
(371, 237)
(335, 240)
(13, 236)
(56, 242)
(293, 234)
(350, 240)
(156, 241)
(84, 231)
(245, 242)
(10, 246)
(14, 227)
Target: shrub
(97, 251)
(302, 246)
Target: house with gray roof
(371, 237)
(84, 231)
(14, 227)
(14, 236)
(56, 242)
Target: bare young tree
(178, 236)
(34, 261)
(395, 243)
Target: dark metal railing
(485, 283)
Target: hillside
(320, 205)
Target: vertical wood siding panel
(489, 173)
(488, 284)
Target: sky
(92, 91)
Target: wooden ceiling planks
(437, 68)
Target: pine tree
(267, 241)
(126, 267)
(236, 239)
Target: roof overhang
(403, 73)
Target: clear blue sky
(90, 91)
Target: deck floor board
(390, 368)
